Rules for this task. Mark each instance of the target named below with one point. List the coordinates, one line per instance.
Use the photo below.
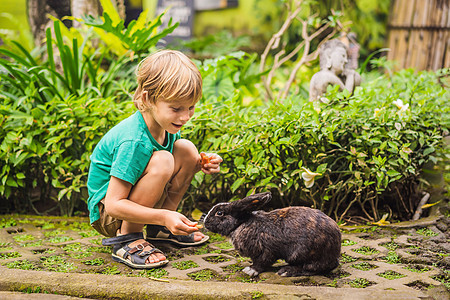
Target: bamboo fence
(419, 34)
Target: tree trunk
(38, 11)
(82, 8)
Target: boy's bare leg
(186, 165)
(148, 191)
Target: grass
(48, 226)
(233, 268)
(5, 223)
(216, 259)
(54, 233)
(22, 264)
(366, 250)
(417, 268)
(8, 255)
(5, 246)
(214, 237)
(153, 273)
(364, 266)
(202, 275)
(97, 241)
(204, 250)
(57, 263)
(94, 262)
(426, 232)
(110, 271)
(362, 229)
(420, 285)
(256, 294)
(392, 258)
(390, 246)
(347, 258)
(33, 244)
(23, 238)
(347, 242)
(444, 279)
(77, 250)
(333, 283)
(184, 265)
(225, 245)
(389, 274)
(60, 239)
(34, 290)
(359, 283)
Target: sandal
(162, 234)
(134, 257)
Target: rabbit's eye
(219, 213)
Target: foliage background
(58, 101)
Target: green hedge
(368, 151)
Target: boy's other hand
(212, 163)
(178, 224)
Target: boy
(141, 168)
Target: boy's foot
(132, 250)
(162, 234)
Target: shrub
(368, 151)
(364, 151)
(56, 106)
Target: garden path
(63, 256)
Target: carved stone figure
(333, 71)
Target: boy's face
(171, 116)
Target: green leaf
(237, 184)
(428, 151)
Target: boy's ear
(144, 97)
(252, 202)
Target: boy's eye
(175, 109)
(191, 108)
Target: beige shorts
(108, 225)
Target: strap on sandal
(123, 239)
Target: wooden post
(419, 34)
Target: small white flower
(402, 107)
(308, 177)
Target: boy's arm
(119, 206)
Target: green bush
(359, 153)
(368, 152)
(57, 104)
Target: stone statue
(333, 70)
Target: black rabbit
(307, 239)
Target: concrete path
(62, 258)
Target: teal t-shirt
(123, 152)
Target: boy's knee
(161, 163)
(186, 147)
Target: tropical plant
(56, 106)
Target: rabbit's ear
(252, 202)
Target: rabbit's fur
(307, 239)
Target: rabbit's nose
(202, 218)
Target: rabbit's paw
(250, 271)
(289, 271)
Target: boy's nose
(185, 117)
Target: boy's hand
(178, 224)
(210, 162)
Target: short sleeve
(129, 161)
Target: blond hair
(167, 75)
